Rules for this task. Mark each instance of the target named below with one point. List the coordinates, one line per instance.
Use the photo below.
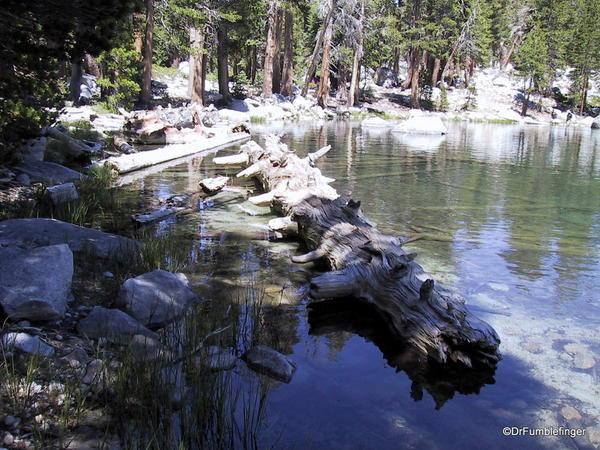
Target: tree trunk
(584, 89)
(92, 66)
(323, 93)
(222, 64)
(396, 56)
(507, 57)
(314, 57)
(146, 92)
(414, 80)
(366, 264)
(436, 71)
(75, 80)
(526, 99)
(287, 82)
(197, 66)
(270, 50)
(277, 60)
(358, 51)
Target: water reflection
(508, 216)
(442, 382)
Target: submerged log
(366, 264)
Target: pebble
(108, 275)
(569, 413)
(8, 439)
(532, 347)
(593, 435)
(584, 360)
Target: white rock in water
(26, 343)
(62, 193)
(270, 362)
(35, 284)
(375, 122)
(419, 124)
(156, 298)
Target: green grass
(258, 119)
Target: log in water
(365, 263)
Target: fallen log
(365, 263)
(140, 160)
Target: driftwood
(135, 161)
(76, 148)
(365, 263)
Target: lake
(507, 216)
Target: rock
(93, 371)
(112, 324)
(419, 124)
(26, 343)
(62, 193)
(270, 362)
(583, 360)
(12, 421)
(532, 347)
(35, 284)
(108, 275)
(33, 149)
(8, 439)
(48, 172)
(76, 358)
(596, 123)
(569, 413)
(375, 122)
(593, 435)
(386, 77)
(301, 103)
(219, 358)
(234, 116)
(502, 81)
(574, 348)
(23, 179)
(40, 232)
(145, 348)
(156, 298)
(212, 185)
(157, 215)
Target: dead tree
(365, 263)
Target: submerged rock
(26, 343)
(270, 362)
(111, 323)
(41, 232)
(35, 284)
(156, 298)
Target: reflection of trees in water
(342, 316)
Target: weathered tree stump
(365, 263)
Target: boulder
(41, 232)
(270, 362)
(35, 284)
(62, 193)
(156, 298)
(26, 343)
(234, 116)
(48, 172)
(112, 324)
(218, 358)
(421, 124)
(596, 123)
(33, 149)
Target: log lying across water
(365, 263)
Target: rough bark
(277, 59)
(414, 81)
(75, 80)
(222, 63)
(146, 92)
(314, 57)
(358, 51)
(366, 264)
(323, 92)
(270, 51)
(197, 74)
(287, 81)
(436, 71)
